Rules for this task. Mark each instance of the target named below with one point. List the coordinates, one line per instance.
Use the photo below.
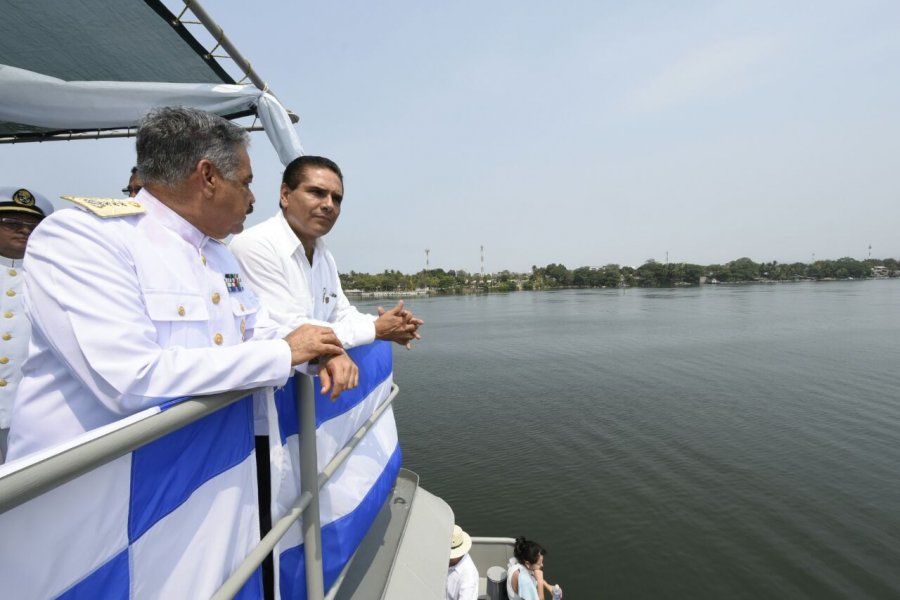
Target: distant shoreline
(473, 291)
(652, 274)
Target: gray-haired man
(137, 301)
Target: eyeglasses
(14, 223)
(132, 191)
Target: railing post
(309, 482)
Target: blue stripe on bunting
(111, 581)
(292, 573)
(164, 473)
(170, 403)
(339, 538)
(375, 364)
(252, 589)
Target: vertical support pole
(309, 481)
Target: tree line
(650, 274)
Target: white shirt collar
(459, 565)
(172, 220)
(10, 262)
(288, 242)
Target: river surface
(714, 442)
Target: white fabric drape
(34, 99)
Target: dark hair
(171, 141)
(133, 170)
(296, 169)
(527, 550)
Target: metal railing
(307, 505)
(31, 481)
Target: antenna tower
(427, 252)
(482, 262)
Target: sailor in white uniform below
(134, 302)
(289, 266)
(21, 210)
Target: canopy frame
(209, 56)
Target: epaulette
(108, 207)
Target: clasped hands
(337, 371)
(397, 325)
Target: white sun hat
(460, 542)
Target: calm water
(721, 442)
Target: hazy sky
(582, 133)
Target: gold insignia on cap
(23, 197)
(108, 207)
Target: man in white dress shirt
(134, 302)
(462, 576)
(287, 263)
(20, 211)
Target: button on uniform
(180, 311)
(218, 339)
(216, 298)
(15, 329)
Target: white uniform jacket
(295, 292)
(128, 312)
(14, 333)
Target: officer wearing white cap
(21, 209)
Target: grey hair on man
(171, 140)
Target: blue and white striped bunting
(352, 498)
(173, 519)
(170, 520)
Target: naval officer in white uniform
(21, 209)
(134, 302)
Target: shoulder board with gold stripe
(108, 207)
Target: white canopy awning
(116, 60)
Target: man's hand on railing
(338, 373)
(397, 325)
(309, 341)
